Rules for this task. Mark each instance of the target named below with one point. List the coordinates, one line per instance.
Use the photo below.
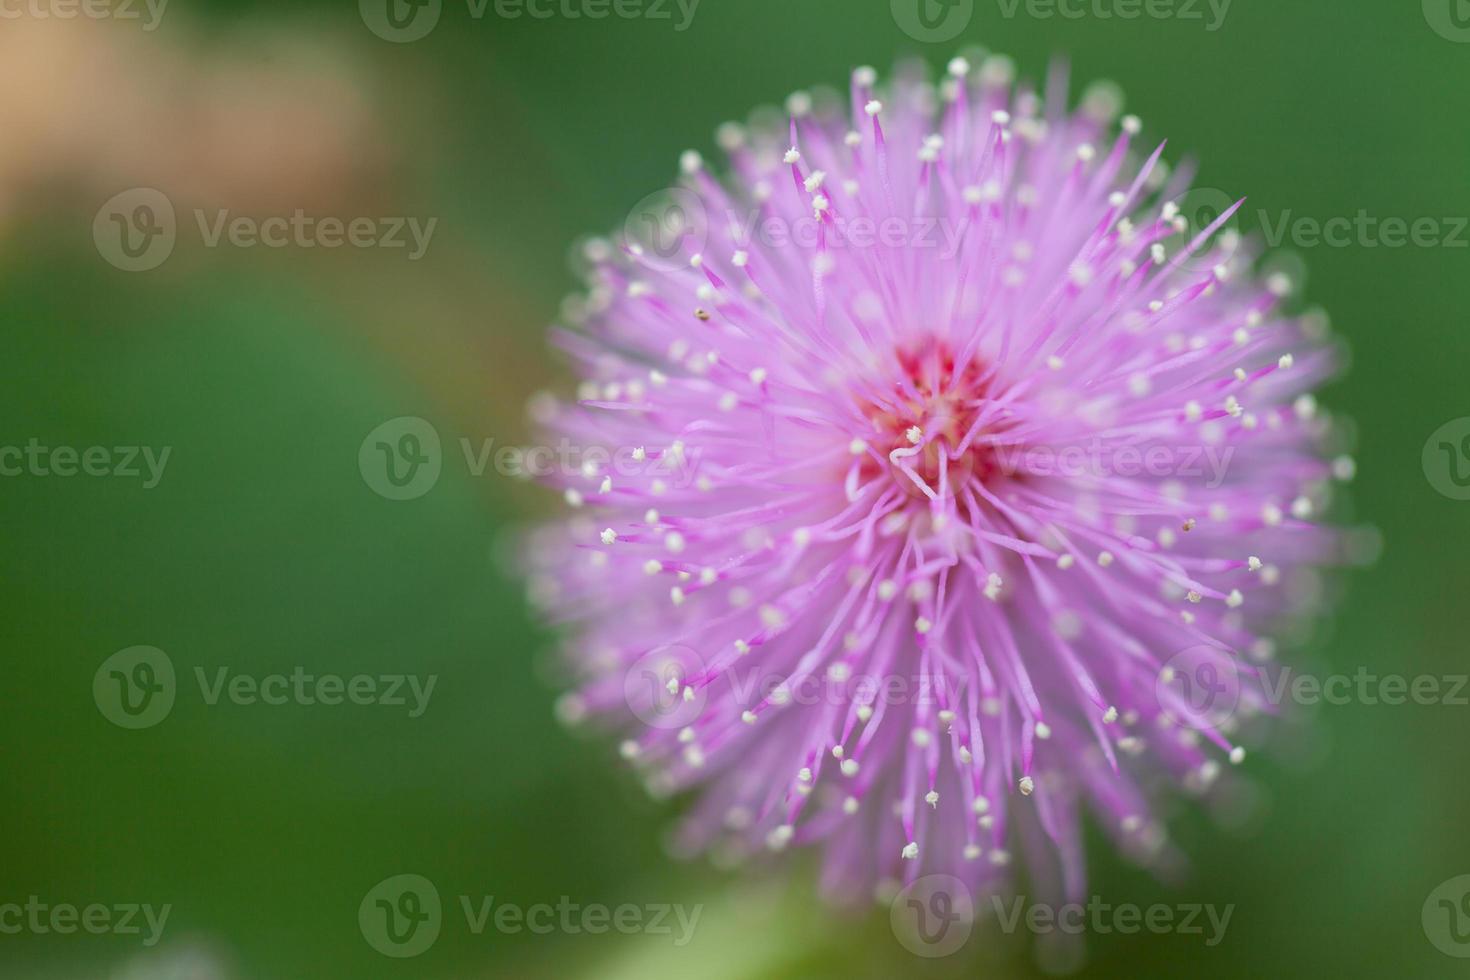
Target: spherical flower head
(942, 484)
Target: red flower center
(936, 402)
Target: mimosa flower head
(954, 479)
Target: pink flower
(951, 481)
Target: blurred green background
(262, 548)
